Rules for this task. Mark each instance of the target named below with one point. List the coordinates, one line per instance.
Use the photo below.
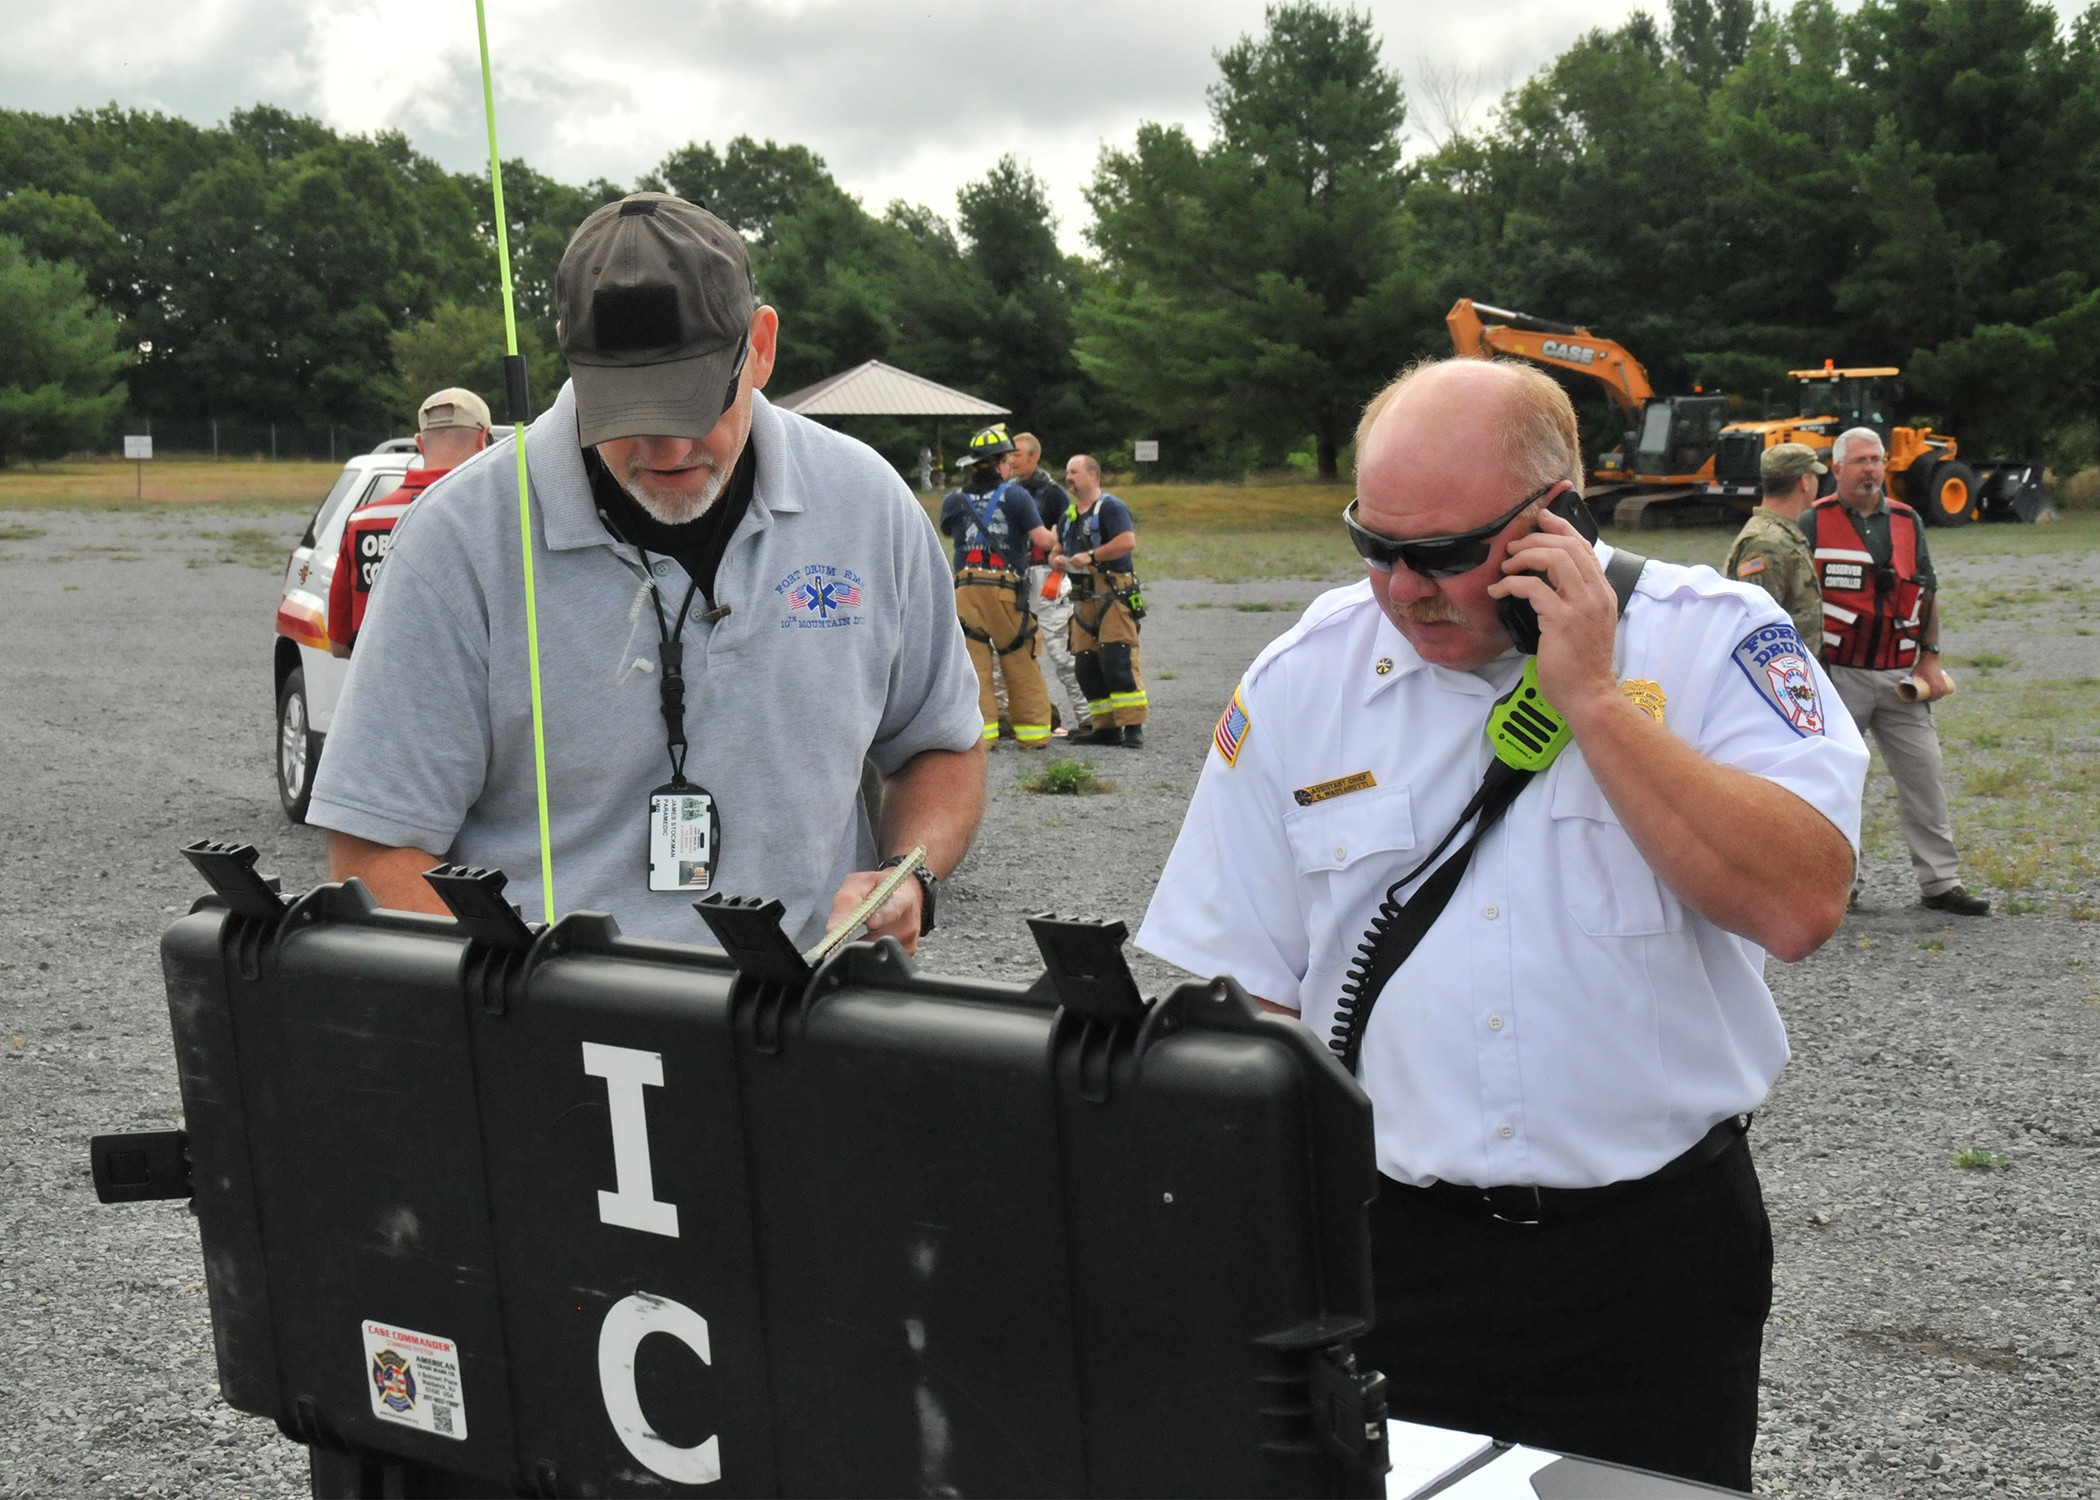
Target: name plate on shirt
(1341, 786)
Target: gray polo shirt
(841, 642)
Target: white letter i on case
(632, 1204)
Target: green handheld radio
(1526, 731)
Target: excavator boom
(1481, 332)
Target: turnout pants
(1105, 656)
(1003, 641)
(1632, 1333)
(1911, 747)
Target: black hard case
(947, 1237)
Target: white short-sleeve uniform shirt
(1567, 1021)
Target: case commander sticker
(1778, 667)
(414, 1379)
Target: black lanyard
(670, 655)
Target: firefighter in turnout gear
(1097, 547)
(993, 524)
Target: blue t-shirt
(990, 531)
(1109, 519)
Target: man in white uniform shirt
(1570, 1245)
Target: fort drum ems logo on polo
(1777, 664)
(821, 596)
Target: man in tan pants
(1881, 630)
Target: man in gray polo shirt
(736, 606)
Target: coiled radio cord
(1400, 924)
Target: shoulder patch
(1778, 667)
(1234, 725)
(1750, 567)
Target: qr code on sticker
(441, 1418)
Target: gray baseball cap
(1789, 461)
(655, 301)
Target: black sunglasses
(736, 372)
(1436, 556)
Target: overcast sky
(902, 98)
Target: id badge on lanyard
(685, 838)
(685, 826)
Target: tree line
(1730, 189)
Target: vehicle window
(325, 512)
(377, 482)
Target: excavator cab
(1678, 433)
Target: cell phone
(1517, 615)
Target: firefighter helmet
(989, 446)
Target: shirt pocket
(1330, 837)
(1607, 886)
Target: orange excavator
(1666, 452)
(1680, 455)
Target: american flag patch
(822, 598)
(1232, 729)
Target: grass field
(1236, 533)
(112, 484)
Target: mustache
(1431, 611)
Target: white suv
(308, 678)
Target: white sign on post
(138, 447)
(1145, 451)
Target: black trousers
(1631, 1334)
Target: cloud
(902, 98)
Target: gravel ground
(1932, 1327)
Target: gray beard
(676, 512)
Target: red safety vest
(366, 537)
(1871, 616)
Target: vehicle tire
(298, 748)
(1950, 494)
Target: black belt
(1527, 1203)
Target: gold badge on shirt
(1646, 696)
(1341, 786)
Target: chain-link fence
(218, 438)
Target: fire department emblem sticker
(414, 1379)
(1778, 667)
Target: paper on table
(1426, 1457)
(1506, 1478)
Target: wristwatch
(1931, 648)
(929, 889)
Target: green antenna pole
(520, 411)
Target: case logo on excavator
(1581, 354)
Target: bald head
(1445, 425)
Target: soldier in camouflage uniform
(1771, 552)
